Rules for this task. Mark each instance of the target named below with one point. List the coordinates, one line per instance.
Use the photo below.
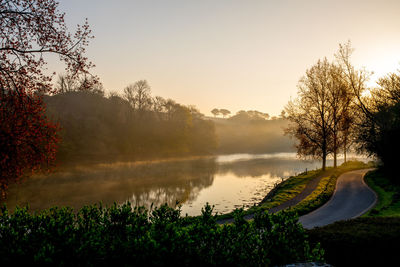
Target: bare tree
(356, 79)
(309, 113)
(138, 95)
(339, 99)
(65, 84)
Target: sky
(237, 55)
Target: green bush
(121, 235)
(359, 242)
(388, 194)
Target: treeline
(336, 110)
(134, 125)
(252, 132)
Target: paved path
(352, 198)
(310, 187)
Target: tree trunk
(324, 157)
(324, 145)
(345, 149)
(335, 149)
(324, 162)
(334, 159)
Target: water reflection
(139, 183)
(226, 181)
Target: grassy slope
(371, 239)
(388, 195)
(320, 195)
(295, 184)
(327, 186)
(289, 189)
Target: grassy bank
(388, 195)
(294, 185)
(371, 240)
(326, 186)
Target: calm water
(227, 182)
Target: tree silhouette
(309, 114)
(323, 115)
(28, 31)
(215, 112)
(224, 112)
(138, 95)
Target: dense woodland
(136, 125)
(133, 126)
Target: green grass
(371, 239)
(326, 187)
(289, 189)
(293, 186)
(388, 195)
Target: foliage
(326, 187)
(320, 117)
(159, 237)
(379, 127)
(28, 31)
(28, 140)
(288, 189)
(215, 112)
(249, 115)
(388, 194)
(98, 127)
(224, 112)
(359, 242)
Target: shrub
(124, 235)
(359, 242)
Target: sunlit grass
(388, 195)
(326, 187)
(290, 188)
(294, 185)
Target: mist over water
(227, 182)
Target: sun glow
(381, 66)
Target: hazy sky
(231, 54)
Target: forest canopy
(132, 126)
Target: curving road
(351, 199)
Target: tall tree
(378, 130)
(339, 99)
(28, 31)
(310, 114)
(138, 95)
(360, 114)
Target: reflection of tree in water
(275, 167)
(163, 182)
(141, 183)
(180, 182)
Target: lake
(227, 182)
